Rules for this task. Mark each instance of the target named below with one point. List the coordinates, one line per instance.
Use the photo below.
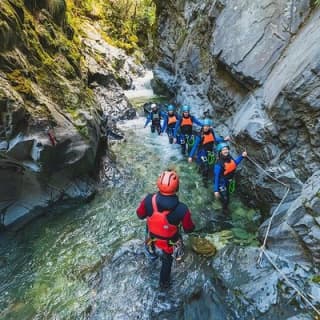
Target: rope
(278, 206)
(291, 283)
(269, 225)
(267, 173)
(262, 248)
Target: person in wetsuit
(183, 131)
(165, 213)
(224, 171)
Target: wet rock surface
(191, 293)
(253, 66)
(56, 110)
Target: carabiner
(190, 140)
(211, 158)
(232, 186)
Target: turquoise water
(52, 269)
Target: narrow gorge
(74, 155)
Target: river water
(86, 262)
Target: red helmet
(168, 183)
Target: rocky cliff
(60, 89)
(254, 66)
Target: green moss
(83, 130)
(126, 24)
(117, 64)
(316, 278)
(316, 2)
(21, 83)
(243, 237)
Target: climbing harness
(232, 186)
(178, 249)
(211, 158)
(190, 140)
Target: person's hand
(227, 138)
(190, 159)
(244, 154)
(174, 140)
(217, 195)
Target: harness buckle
(178, 250)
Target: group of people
(163, 210)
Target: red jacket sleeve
(142, 210)
(187, 223)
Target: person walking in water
(169, 122)
(224, 171)
(155, 116)
(183, 129)
(164, 213)
(203, 147)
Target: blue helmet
(222, 145)
(170, 107)
(185, 109)
(207, 122)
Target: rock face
(254, 66)
(255, 290)
(55, 107)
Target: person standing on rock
(183, 130)
(164, 213)
(155, 116)
(169, 122)
(204, 149)
(224, 171)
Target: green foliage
(127, 24)
(130, 21)
(21, 83)
(316, 278)
(317, 2)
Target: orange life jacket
(207, 138)
(172, 119)
(229, 167)
(186, 121)
(158, 224)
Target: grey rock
(258, 289)
(192, 293)
(114, 65)
(258, 34)
(49, 145)
(301, 316)
(254, 67)
(302, 216)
